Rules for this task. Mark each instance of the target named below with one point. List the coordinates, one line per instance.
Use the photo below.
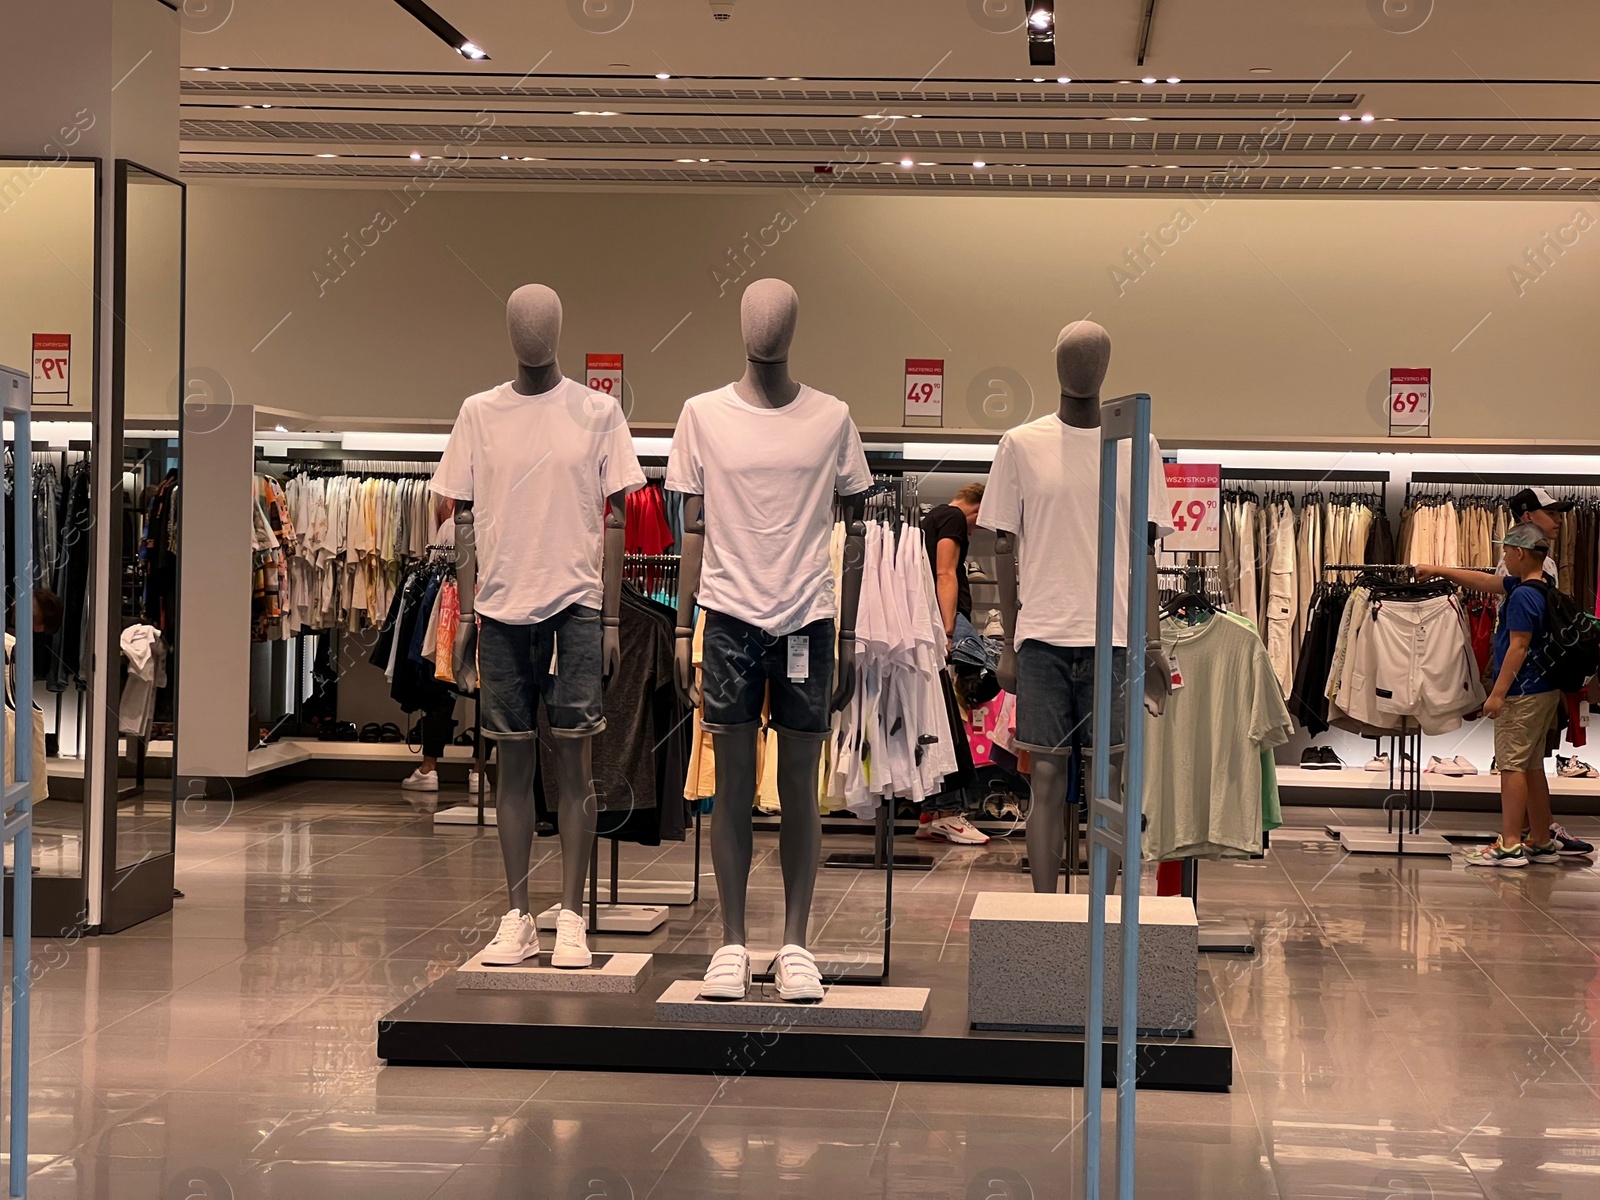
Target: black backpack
(1569, 656)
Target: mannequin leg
(579, 815)
(515, 816)
(799, 831)
(1047, 821)
(731, 836)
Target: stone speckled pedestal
(610, 973)
(1028, 963)
(841, 1007)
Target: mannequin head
(533, 317)
(1083, 355)
(767, 315)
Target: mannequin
(768, 311)
(584, 432)
(1083, 355)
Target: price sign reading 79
(1195, 491)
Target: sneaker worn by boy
(797, 976)
(1571, 847)
(572, 944)
(421, 781)
(516, 941)
(728, 976)
(1496, 855)
(1550, 852)
(956, 829)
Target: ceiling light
(1261, 70)
(663, 75)
(1063, 78)
(1367, 118)
(589, 112)
(906, 162)
(1344, 116)
(1038, 78)
(1563, 168)
(923, 164)
(528, 158)
(705, 160)
(200, 68)
(1170, 167)
(980, 164)
(1127, 118)
(266, 106)
(1148, 79)
(327, 156)
(505, 158)
(685, 160)
(1041, 25)
(415, 156)
(444, 31)
(281, 428)
(1430, 168)
(1173, 79)
(1524, 168)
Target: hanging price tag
(604, 373)
(799, 657)
(924, 391)
(1195, 490)
(1410, 401)
(52, 369)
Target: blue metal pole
(1133, 797)
(19, 796)
(1094, 1028)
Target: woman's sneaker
(1496, 855)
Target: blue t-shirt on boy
(1523, 612)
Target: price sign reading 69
(1410, 401)
(1195, 490)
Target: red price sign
(1410, 401)
(52, 369)
(604, 373)
(924, 391)
(1195, 491)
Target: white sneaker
(421, 781)
(728, 976)
(472, 783)
(572, 946)
(1442, 766)
(994, 626)
(955, 829)
(1464, 765)
(517, 940)
(798, 979)
(1378, 762)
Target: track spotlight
(1042, 33)
(444, 31)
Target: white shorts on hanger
(1422, 664)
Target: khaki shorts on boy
(1519, 731)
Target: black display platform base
(444, 1027)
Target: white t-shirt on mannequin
(538, 470)
(1044, 486)
(768, 476)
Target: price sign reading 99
(603, 373)
(1195, 492)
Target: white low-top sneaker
(514, 942)
(572, 943)
(798, 979)
(421, 781)
(728, 976)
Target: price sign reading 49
(924, 391)
(1195, 490)
(1410, 401)
(604, 373)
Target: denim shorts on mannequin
(514, 675)
(1055, 697)
(744, 666)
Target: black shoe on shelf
(1330, 760)
(1311, 758)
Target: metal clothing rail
(16, 399)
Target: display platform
(607, 973)
(841, 1007)
(446, 1027)
(612, 918)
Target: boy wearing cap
(1522, 703)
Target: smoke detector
(721, 10)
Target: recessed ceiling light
(705, 160)
(1261, 70)
(200, 68)
(1388, 118)
(1038, 78)
(685, 160)
(1063, 78)
(589, 112)
(979, 164)
(505, 158)
(1170, 167)
(926, 164)
(663, 75)
(1430, 168)
(1524, 168)
(1173, 79)
(1367, 118)
(906, 162)
(1344, 116)
(527, 158)
(1127, 118)
(327, 156)
(1148, 79)
(266, 106)
(1563, 168)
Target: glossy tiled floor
(1409, 1030)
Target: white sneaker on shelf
(421, 781)
(1442, 766)
(1574, 768)
(1378, 762)
(956, 829)
(1464, 765)
(994, 626)
(472, 783)
(728, 976)
(514, 942)
(798, 979)
(572, 944)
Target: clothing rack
(656, 575)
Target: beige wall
(1255, 317)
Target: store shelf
(1378, 781)
(367, 751)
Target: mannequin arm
(1005, 565)
(694, 543)
(1157, 670)
(611, 583)
(466, 651)
(855, 554)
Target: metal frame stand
(1404, 834)
(16, 398)
(1116, 829)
